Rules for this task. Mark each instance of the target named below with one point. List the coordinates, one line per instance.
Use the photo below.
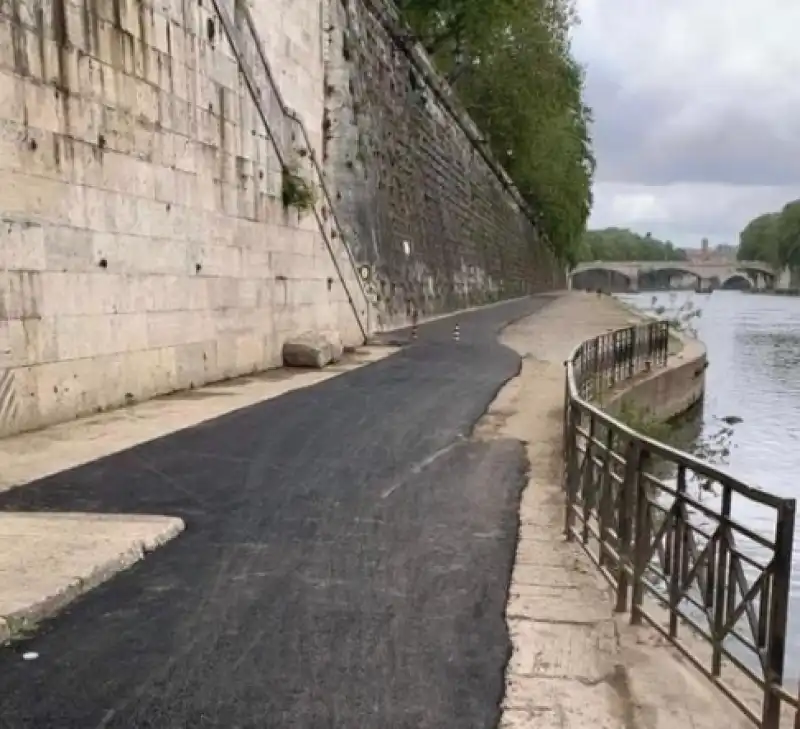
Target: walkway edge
(574, 664)
(56, 593)
(36, 454)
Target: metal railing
(240, 29)
(661, 526)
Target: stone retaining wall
(670, 391)
(431, 220)
(144, 246)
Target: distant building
(721, 253)
(727, 250)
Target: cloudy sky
(697, 112)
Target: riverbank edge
(575, 664)
(663, 396)
(665, 393)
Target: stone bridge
(709, 275)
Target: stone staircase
(293, 148)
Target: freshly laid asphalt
(345, 562)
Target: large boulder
(311, 349)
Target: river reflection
(753, 346)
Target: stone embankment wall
(144, 244)
(434, 225)
(670, 391)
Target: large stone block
(312, 349)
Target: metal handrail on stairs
(228, 20)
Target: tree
(773, 237)
(620, 244)
(511, 64)
(758, 241)
(788, 234)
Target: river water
(753, 344)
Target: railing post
(722, 572)
(565, 418)
(572, 469)
(641, 549)
(606, 494)
(624, 529)
(599, 375)
(680, 552)
(632, 352)
(588, 486)
(779, 612)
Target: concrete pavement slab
(46, 560)
(563, 649)
(548, 703)
(574, 664)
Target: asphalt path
(345, 563)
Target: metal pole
(779, 613)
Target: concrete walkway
(575, 665)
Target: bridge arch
(738, 281)
(763, 268)
(658, 277)
(606, 278)
(753, 271)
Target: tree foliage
(758, 241)
(773, 237)
(620, 244)
(511, 64)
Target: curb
(80, 585)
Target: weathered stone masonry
(144, 247)
(409, 179)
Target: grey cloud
(723, 146)
(687, 230)
(716, 212)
